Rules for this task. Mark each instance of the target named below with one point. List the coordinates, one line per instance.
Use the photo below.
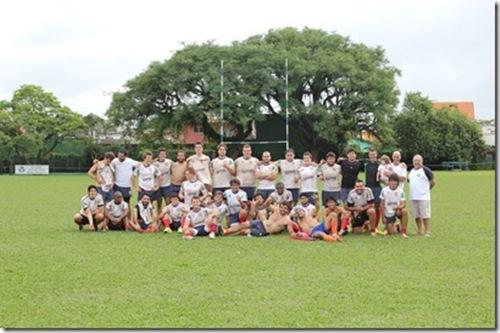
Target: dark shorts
(249, 190)
(311, 196)
(258, 229)
(175, 225)
(234, 218)
(85, 220)
(392, 219)
(175, 188)
(295, 194)
(125, 191)
(118, 226)
(153, 195)
(265, 193)
(221, 189)
(164, 192)
(107, 196)
(360, 220)
(201, 230)
(327, 194)
(143, 225)
(376, 193)
(318, 228)
(344, 193)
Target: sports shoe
(343, 232)
(80, 227)
(167, 230)
(180, 230)
(211, 235)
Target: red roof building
(465, 107)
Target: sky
(82, 51)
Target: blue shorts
(164, 192)
(320, 227)
(258, 229)
(376, 193)
(310, 196)
(143, 225)
(234, 218)
(153, 195)
(175, 188)
(125, 191)
(344, 193)
(107, 196)
(327, 194)
(221, 189)
(295, 194)
(201, 230)
(265, 193)
(249, 190)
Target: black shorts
(249, 190)
(164, 192)
(392, 219)
(175, 225)
(85, 220)
(295, 194)
(360, 220)
(125, 191)
(201, 230)
(118, 226)
(153, 195)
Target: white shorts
(421, 209)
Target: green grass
(51, 275)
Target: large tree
(336, 87)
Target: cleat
(343, 232)
(167, 230)
(211, 235)
(180, 230)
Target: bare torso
(178, 173)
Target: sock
(166, 222)
(212, 227)
(183, 223)
(344, 224)
(333, 227)
(377, 217)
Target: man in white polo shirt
(124, 168)
(421, 181)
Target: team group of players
(198, 196)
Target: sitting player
(307, 227)
(360, 203)
(116, 213)
(92, 210)
(238, 206)
(275, 224)
(173, 215)
(144, 217)
(392, 205)
(219, 208)
(334, 213)
(258, 204)
(281, 195)
(200, 221)
(304, 203)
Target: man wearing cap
(116, 213)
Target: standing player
(223, 169)
(392, 205)
(104, 175)
(281, 195)
(92, 210)
(350, 169)
(372, 181)
(421, 181)
(329, 173)
(201, 164)
(144, 216)
(200, 221)
(116, 213)
(267, 172)
(306, 174)
(164, 165)
(178, 173)
(246, 167)
(124, 169)
(192, 187)
(149, 177)
(173, 214)
(360, 204)
(289, 167)
(399, 168)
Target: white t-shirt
(201, 164)
(116, 210)
(164, 167)
(123, 171)
(199, 217)
(106, 173)
(392, 200)
(401, 171)
(176, 212)
(232, 200)
(267, 170)
(354, 199)
(147, 176)
(222, 210)
(92, 204)
(284, 197)
(309, 208)
(331, 175)
(288, 171)
(307, 176)
(221, 175)
(245, 170)
(191, 189)
(420, 180)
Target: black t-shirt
(371, 169)
(350, 171)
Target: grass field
(52, 275)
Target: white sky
(83, 50)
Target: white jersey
(288, 171)
(266, 170)
(354, 199)
(91, 204)
(245, 170)
(198, 217)
(284, 197)
(331, 175)
(222, 210)
(107, 175)
(147, 176)
(232, 201)
(145, 213)
(192, 189)
(420, 182)
(307, 176)
(116, 210)
(309, 208)
(201, 165)
(221, 176)
(165, 168)
(401, 171)
(392, 200)
(176, 212)
(123, 171)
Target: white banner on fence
(32, 169)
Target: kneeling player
(173, 215)
(91, 212)
(335, 213)
(200, 221)
(360, 203)
(116, 213)
(307, 227)
(392, 206)
(144, 217)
